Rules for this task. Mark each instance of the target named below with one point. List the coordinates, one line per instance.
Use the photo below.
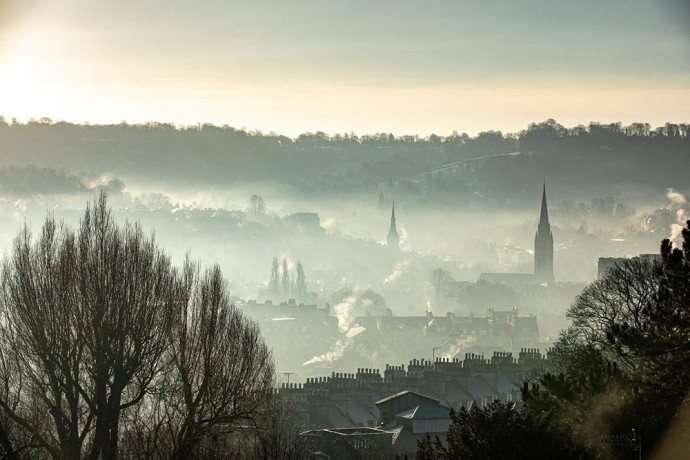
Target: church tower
(393, 239)
(543, 245)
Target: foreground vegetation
(620, 380)
(108, 351)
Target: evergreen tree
(301, 283)
(285, 275)
(273, 282)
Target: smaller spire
(393, 229)
(393, 238)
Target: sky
(406, 67)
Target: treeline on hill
(349, 164)
(620, 377)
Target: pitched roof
(508, 278)
(426, 412)
(343, 431)
(480, 387)
(338, 419)
(455, 392)
(404, 393)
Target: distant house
(607, 263)
(369, 398)
(401, 401)
(508, 278)
(307, 223)
(409, 416)
(411, 425)
(305, 330)
(452, 335)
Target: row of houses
(300, 332)
(403, 403)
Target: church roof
(508, 278)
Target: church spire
(543, 245)
(393, 238)
(544, 216)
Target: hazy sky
(337, 66)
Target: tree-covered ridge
(346, 164)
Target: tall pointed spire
(544, 216)
(393, 238)
(543, 245)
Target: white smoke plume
(676, 197)
(19, 209)
(398, 269)
(403, 235)
(451, 349)
(678, 202)
(347, 310)
(112, 185)
(333, 355)
(328, 223)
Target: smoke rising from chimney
(678, 202)
(398, 269)
(347, 310)
(333, 355)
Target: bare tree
(219, 377)
(277, 431)
(84, 319)
(257, 204)
(107, 350)
(620, 297)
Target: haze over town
(445, 185)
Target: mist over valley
(465, 205)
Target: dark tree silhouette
(107, 351)
(273, 282)
(301, 283)
(285, 279)
(257, 204)
(222, 369)
(618, 298)
(85, 320)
